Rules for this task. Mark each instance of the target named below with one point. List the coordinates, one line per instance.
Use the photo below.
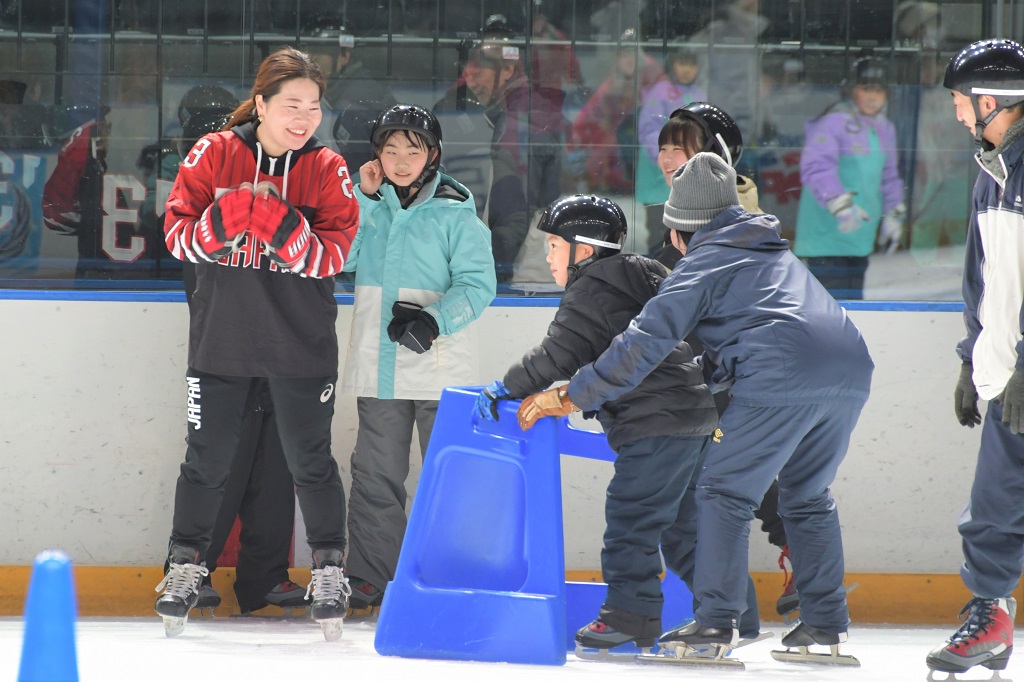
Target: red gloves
(224, 223)
(280, 226)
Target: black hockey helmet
(992, 67)
(204, 109)
(202, 99)
(586, 219)
(407, 117)
(988, 67)
(416, 119)
(720, 130)
(869, 71)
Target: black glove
(965, 398)
(412, 327)
(1013, 402)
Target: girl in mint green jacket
(423, 271)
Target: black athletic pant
(303, 410)
(260, 492)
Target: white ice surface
(254, 650)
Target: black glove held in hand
(965, 398)
(1013, 402)
(412, 327)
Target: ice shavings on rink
(254, 650)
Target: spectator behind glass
(354, 96)
(604, 132)
(848, 170)
(677, 89)
(518, 178)
(554, 62)
(937, 162)
(730, 69)
(73, 194)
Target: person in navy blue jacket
(798, 372)
(987, 83)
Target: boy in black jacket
(658, 430)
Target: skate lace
(328, 583)
(787, 577)
(182, 579)
(980, 617)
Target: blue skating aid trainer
(48, 648)
(481, 574)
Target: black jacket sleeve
(576, 336)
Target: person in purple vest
(848, 169)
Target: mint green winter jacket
(436, 253)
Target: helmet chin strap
(980, 123)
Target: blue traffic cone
(48, 649)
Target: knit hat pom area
(701, 189)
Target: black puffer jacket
(598, 304)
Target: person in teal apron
(853, 196)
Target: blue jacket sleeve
(665, 320)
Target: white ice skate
(801, 637)
(683, 654)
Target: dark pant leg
(303, 410)
(651, 476)
(843, 276)
(811, 517)
(216, 406)
(992, 525)
(739, 467)
(679, 548)
(380, 466)
(426, 415)
(267, 512)
(768, 515)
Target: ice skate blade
(952, 677)
(174, 626)
(694, 658)
(802, 655)
(331, 628)
(607, 655)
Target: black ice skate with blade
(696, 645)
(802, 636)
(180, 588)
(672, 653)
(209, 599)
(330, 590)
(614, 628)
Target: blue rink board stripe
(346, 299)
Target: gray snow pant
(380, 465)
(802, 445)
(992, 524)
